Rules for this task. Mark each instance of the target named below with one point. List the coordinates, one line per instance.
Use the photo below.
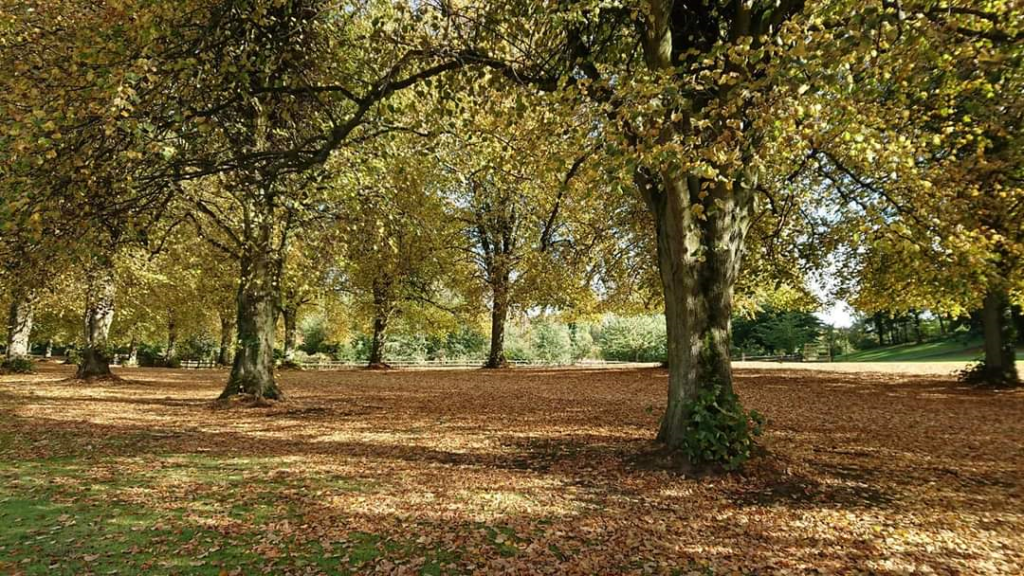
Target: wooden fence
(345, 364)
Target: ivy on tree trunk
(699, 256)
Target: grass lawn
(953, 350)
(517, 472)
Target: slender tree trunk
(19, 325)
(253, 370)
(499, 316)
(380, 340)
(918, 333)
(99, 314)
(942, 325)
(133, 352)
(227, 327)
(49, 349)
(171, 354)
(698, 260)
(879, 328)
(290, 314)
(1000, 355)
(383, 308)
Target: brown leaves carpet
(540, 471)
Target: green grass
(951, 350)
(176, 514)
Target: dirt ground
(910, 368)
(511, 472)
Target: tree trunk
(171, 354)
(698, 259)
(942, 326)
(99, 314)
(879, 328)
(253, 370)
(48, 353)
(19, 325)
(383, 308)
(290, 314)
(380, 339)
(918, 333)
(133, 352)
(1000, 366)
(499, 316)
(227, 326)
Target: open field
(921, 368)
(951, 350)
(514, 472)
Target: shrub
(463, 344)
(551, 343)
(150, 355)
(634, 339)
(719, 430)
(517, 346)
(17, 365)
(314, 330)
(199, 347)
(72, 355)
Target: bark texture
(133, 352)
(19, 325)
(252, 372)
(227, 328)
(499, 317)
(99, 315)
(171, 354)
(383, 306)
(497, 223)
(1000, 366)
(701, 223)
(290, 315)
(699, 260)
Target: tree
(930, 178)
(781, 331)
(143, 104)
(699, 98)
(521, 188)
(400, 246)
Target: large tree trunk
(1000, 366)
(227, 327)
(499, 316)
(99, 314)
(290, 315)
(699, 260)
(19, 325)
(253, 370)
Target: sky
(838, 314)
(835, 312)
